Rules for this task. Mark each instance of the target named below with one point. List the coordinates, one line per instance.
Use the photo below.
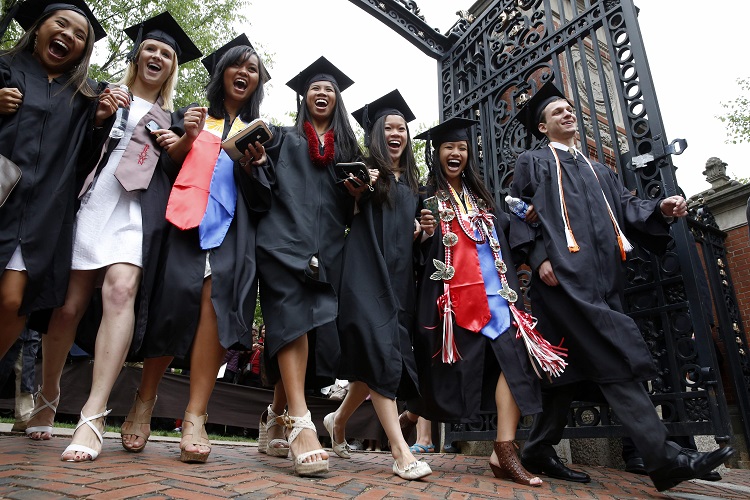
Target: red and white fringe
(449, 351)
(548, 356)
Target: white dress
(109, 226)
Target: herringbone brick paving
(33, 470)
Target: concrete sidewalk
(32, 469)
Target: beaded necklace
(541, 353)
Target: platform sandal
(295, 425)
(509, 464)
(92, 453)
(340, 449)
(188, 438)
(43, 429)
(277, 447)
(139, 415)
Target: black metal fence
(490, 63)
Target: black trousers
(629, 400)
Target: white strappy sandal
(47, 404)
(296, 425)
(277, 447)
(85, 449)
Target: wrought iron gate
(489, 65)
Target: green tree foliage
(209, 25)
(737, 117)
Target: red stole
(189, 197)
(467, 291)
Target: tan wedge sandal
(295, 425)
(276, 447)
(139, 415)
(189, 437)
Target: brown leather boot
(509, 465)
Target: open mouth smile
(58, 48)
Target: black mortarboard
(392, 103)
(211, 60)
(452, 129)
(320, 70)
(163, 28)
(531, 113)
(27, 13)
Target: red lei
(313, 147)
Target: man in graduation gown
(576, 251)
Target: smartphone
(152, 126)
(259, 132)
(431, 204)
(356, 169)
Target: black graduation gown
(456, 393)
(177, 294)
(377, 300)
(45, 137)
(307, 218)
(153, 208)
(586, 310)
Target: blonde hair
(167, 88)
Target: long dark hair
(471, 177)
(345, 146)
(79, 74)
(215, 87)
(379, 157)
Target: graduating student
(377, 299)
(119, 228)
(465, 344)
(48, 113)
(576, 254)
(299, 248)
(204, 300)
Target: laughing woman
(300, 244)
(118, 231)
(44, 93)
(377, 299)
(465, 344)
(205, 298)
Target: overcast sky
(695, 55)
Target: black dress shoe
(711, 476)
(688, 465)
(635, 465)
(553, 467)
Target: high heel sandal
(43, 429)
(277, 447)
(139, 415)
(296, 425)
(340, 449)
(197, 422)
(509, 465)
(92, 453)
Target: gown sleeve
(526, 242)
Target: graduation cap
(452, 129)
(321, 70)
(212, 60)
(392, 103)
(531, 113)
(28, 12)
(163, 28)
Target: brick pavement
(32, 470)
